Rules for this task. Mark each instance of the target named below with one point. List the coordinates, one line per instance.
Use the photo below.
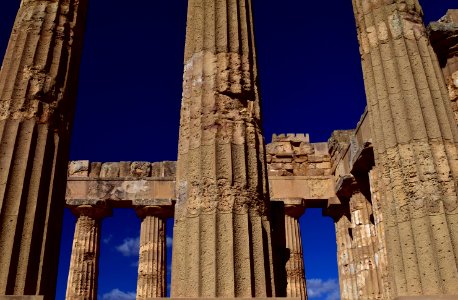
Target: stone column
(84, 262)
(369, 281)
(296, 287)
(345, 258)
(38, 84)
(153, 249)
(222, 235)
(415, 138)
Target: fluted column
(369, 279)
(380, 259)
(415, 138)
(345, 256)
(84, 261)
(295, 271)
(152, 262)
(222, 230)
(37, 94)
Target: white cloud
(169, 241)
(129, 247)
(117, 294)
(323, 289)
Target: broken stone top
(124, 169)
(294, 155)
(444, 36)
(291, 137)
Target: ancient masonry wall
(358, 219)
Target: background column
(38, 85)
(152, 263)
(84, 262)
(295, 271)
(415, 137)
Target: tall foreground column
(415, 139)
(222, 230)
(38, 82)
(84, 262)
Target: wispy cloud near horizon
(117, 294)
(323, 289)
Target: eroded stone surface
(414, 137)
(84, 261)
(38, 82)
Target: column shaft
(82, 278)
(415, 138)
(295, 265)
(37, 94)
(222, 236)
(363, 243)
(152, 261)
(345, 258)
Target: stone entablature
(120, 185)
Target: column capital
(92, 211)
(294, 210)
(159, 211)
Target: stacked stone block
(294, 155)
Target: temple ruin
(389, 185)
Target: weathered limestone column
(38, 83)
(345, 258)
(369, 281)
(381, 260)
(222, 236)
(295, 271)
(415, 138)
(153, 249)
(84, 262)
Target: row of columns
(151, 283)
(82, 278)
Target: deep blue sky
(129, 101)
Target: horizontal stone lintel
(309, 191)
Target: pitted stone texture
(415, 136)
(295, 271)
(294, 155)
(222, 236)
(152, 263)
(83, 273)
(38, 84)
(78, 168)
